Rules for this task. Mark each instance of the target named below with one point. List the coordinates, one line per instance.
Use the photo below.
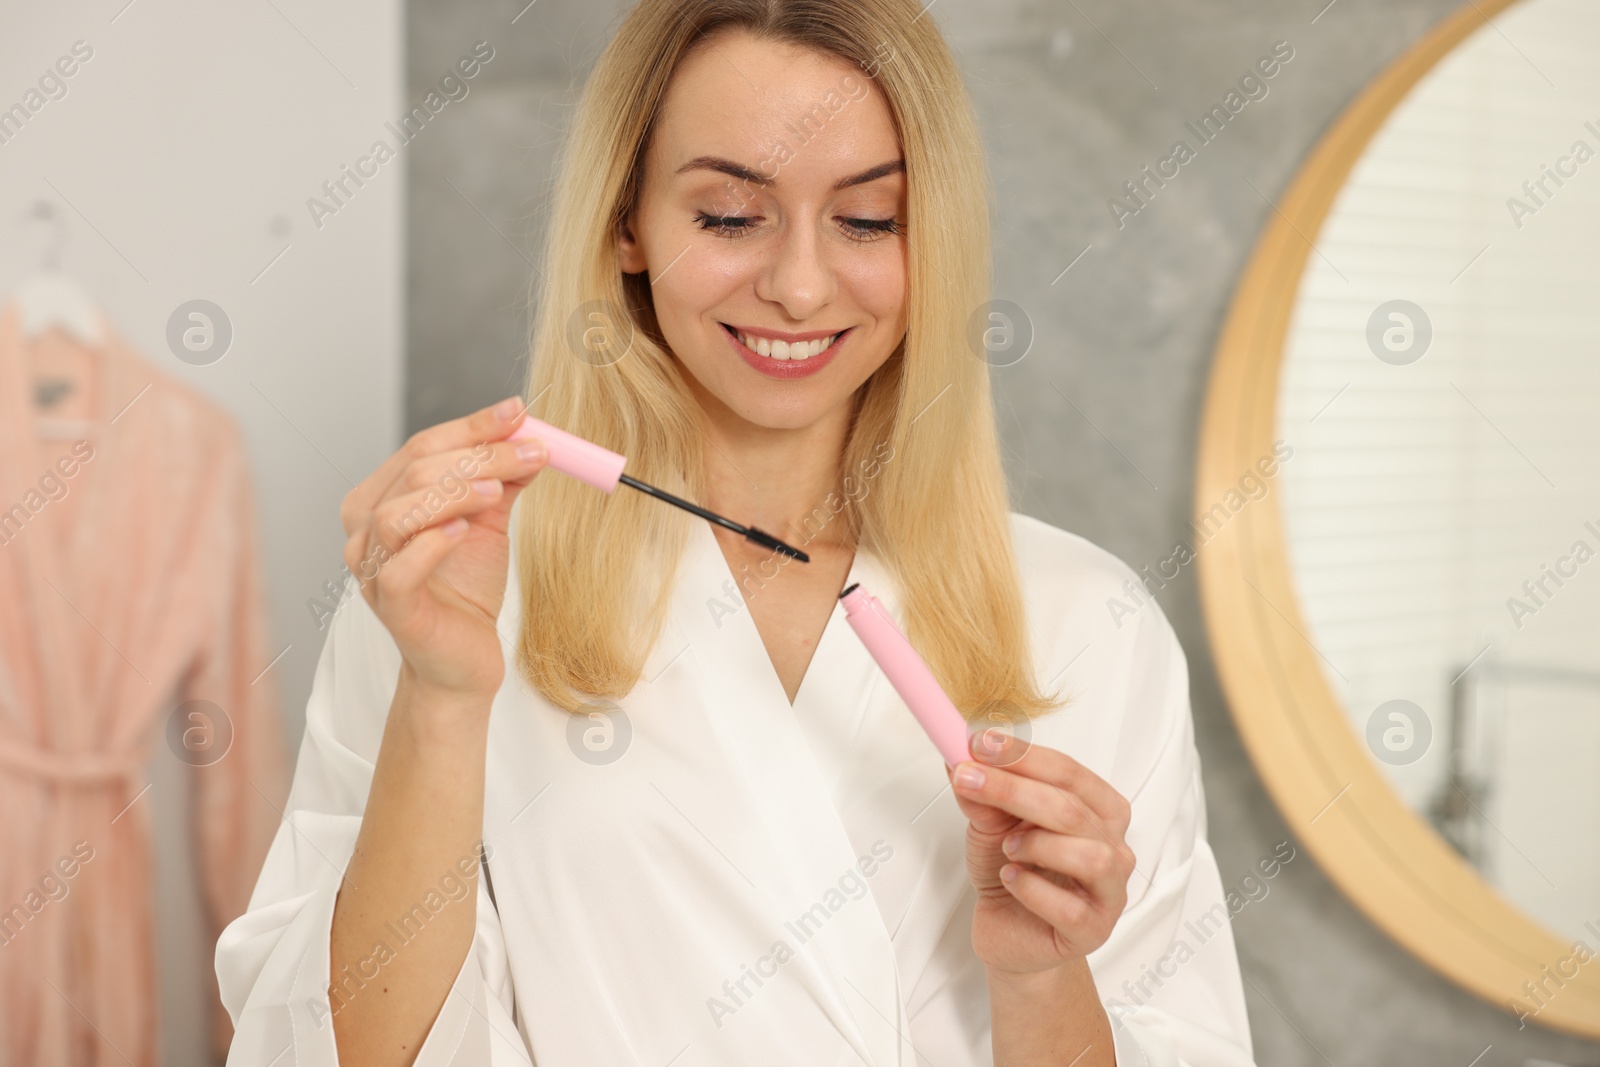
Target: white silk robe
(703, 874)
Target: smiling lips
(785, 356)
(778, 348)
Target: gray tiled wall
(1099, 420)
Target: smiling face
(771, 220)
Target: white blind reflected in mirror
(1441, 390)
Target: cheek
(878, 285)
(705, 276)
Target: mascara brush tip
(766, 540)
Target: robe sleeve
(234, 799)
(1169, 974)
(272, 962)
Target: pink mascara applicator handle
(571, 454)
(908, 674)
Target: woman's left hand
(1064, 826)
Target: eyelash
(736, 226)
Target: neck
(775, 479)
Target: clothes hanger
(50, 300)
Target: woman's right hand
(427, 541)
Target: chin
(787, 413)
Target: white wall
(187, 146)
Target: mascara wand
(750, 533)
(602, 468)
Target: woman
(713, 833)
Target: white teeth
(786, 349)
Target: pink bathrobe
(127, 587)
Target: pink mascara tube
(908, 674)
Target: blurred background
(209, 180)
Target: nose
(798, 276)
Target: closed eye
(741, 225)
(725, 225)
(869, 229)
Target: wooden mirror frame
(1385, 858)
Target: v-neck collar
(735, 611)
(783, 759)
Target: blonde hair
(596, 570)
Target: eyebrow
(738, 170)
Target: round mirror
(1398, 501)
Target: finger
(985, 818)
(1076, 922)
(999, 749)
(398, 520)
(364, 564)
(1041, 803)
(399, 583)
(486, 424)
(449, 475)
(1101, 869)
(366, 553)
(507, 461)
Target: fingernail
(508, 407)
(486, 486)
(1008, 874)
(1011, 844)
(969, 777)
(530, 450)
(992, 743)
